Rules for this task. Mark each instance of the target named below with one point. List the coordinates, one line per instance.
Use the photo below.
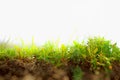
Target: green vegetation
(97, 52)
(77, 73)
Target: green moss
(98, 51)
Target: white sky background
(64, 19)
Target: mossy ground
(96, 59)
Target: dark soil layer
(26, 69)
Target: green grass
(97, 51)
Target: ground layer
(27, 69)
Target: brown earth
(26, 69)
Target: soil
(27, 69)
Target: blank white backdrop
(59, 19)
